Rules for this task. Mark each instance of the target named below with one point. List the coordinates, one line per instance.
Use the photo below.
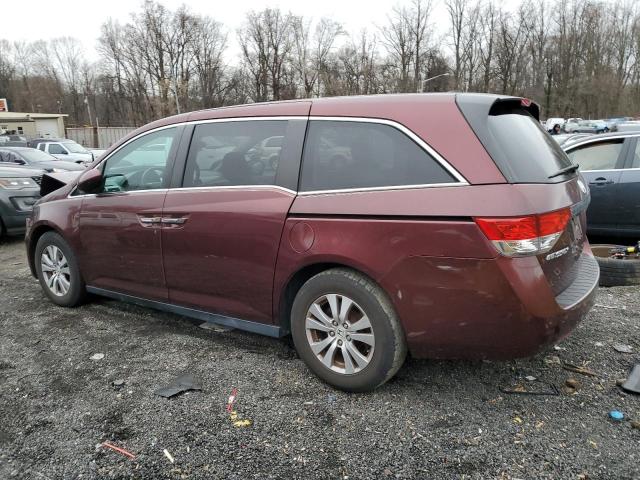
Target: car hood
(19, 172)
(61, 165)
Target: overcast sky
(82, 19)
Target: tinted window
(55, 149)
(10, 157)
(342, 154)
(522, 150)
(234, 153)
(598, 156)
(141, 164)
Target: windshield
(74, 147)
(33, 155)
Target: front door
(120, 226)
(629, 192)
(221, 230)
(600, 164)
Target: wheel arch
(298, 279)
(36, 233)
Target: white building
(33, 125)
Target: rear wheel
(346, 330)
(58, 271)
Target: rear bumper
(490, 309)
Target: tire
(383, 343)
(616, 272)
(64, 265)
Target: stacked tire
(616, 272)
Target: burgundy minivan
(448, 225)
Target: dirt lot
(434, 420)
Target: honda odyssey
(444, 225)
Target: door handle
(601, 181)
(149, 220)
(173, 221)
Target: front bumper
(15, 208)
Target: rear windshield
(517, 143)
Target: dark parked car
(36, 159)
(19, 191)
(611, 165)
(449, 225)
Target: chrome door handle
(173, 221)
(150, 219)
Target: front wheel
(346, 330)
(58, 271)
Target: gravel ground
(436, 419)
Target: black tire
(76, 291)
(616, 272)
(390, 344)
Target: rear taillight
(529, 235)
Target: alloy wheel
(340, 334)
(55, 270)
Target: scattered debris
(558, 348)
(232, 399)
(121, 451)
(118, 383)
(331, 398)
(623, 348)
(97, 356)
(599, 344)
(520, 389)
(233, 415)
(580, 370)
(571, 385)
(610, 307)
(179, 385)
(552, 360)
(168, 455)
(635, 424)
(632, 384)
(215, 327)
(616, 415)
(530, 378)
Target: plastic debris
(168, 455)
(580, 370)
(233, 414)
(530, 378)
(215, 327)
(632, 384)
(522, 390)
(121, 451)
(179, 385)
(118, 383)
(616, 415)
(97, 356)
(623, 348)
(635, 424)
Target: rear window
(516, 141)
(347, 154)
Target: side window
(56, 149)
(234, 153)
(41, 146)
(598, 156)
(343, 154)
(141, 164)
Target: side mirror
(90, 180)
